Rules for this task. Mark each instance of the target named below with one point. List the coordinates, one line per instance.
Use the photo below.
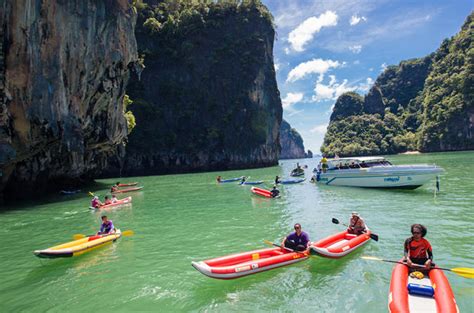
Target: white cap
(355, 213)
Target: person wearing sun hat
(417, 249)
(356, 224)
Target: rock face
(207, 98)
(292, 146)
(64, 66)
(424, 104)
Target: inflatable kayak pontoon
(78, 247)
(432, 293)
(119, 202)
(247, 263)
(262, 192)
(339, 245)
(230, 180)
(252, 182)
(128, 184)
(128, 190)
(292, 181)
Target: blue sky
(324, 48)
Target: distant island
(423, 104)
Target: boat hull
(339, 245)
(248, 263)
(78, 247)
(127, 190)
(369, 178)
(401, 301)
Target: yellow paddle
(124, 233)
(268, 242)
(461, 271)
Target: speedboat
(375, 172)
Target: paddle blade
(268, 242)
(91, 194)
(374, 237)
(335, 220)
(128, 233)
(464, 272)
(372, 258)
(78, 236)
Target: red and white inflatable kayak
(127, 190)
(262, 192)
(340, 244)
(128, 184)
(247, 263)
(111, 205)
(429, 294)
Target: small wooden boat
(432, 293)
(78, 247)
(340, 244)
(247, 263)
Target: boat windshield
(355, 164)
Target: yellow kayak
(78, 247)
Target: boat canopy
(357, 162)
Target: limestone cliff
(64, 66)
(207, 98)
(292, 146)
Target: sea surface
(182, 218)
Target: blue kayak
(230, 180)
(292, 181)
(69, 192)
(252, 182)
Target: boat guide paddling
(123, 201)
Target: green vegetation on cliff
(422, 104)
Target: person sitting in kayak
(218, 179)
(114, 188)
(95, 203)
(275, 192)
(356, 224)
(243, 180)
(114, 198)
(313, 179)
(107, 226)
(277, 180)
(298, 240)
(107, 200)
(417, 249)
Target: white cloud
(356, 19)
(290, 99)
(355, 48)
(371, 69)
(277, 66)
(305, 32)
(356, 62)
(319, 129)
(332, 90)
(383, 66)
(364, 87)
(315, 66)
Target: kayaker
(313, 179)
(417, 249)
(277, 180)
(114, 188)
(218, 179)
(114, 198)
(275, 192)
(324, 164)
(356, 224)
(95, 203)
(243, 180)
(107, 226)
(298, 240)
(107, 200)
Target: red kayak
(340, 244)
(432, 293)
(127, 190)
(118, 202)
(247, 263)
(128, 184)
(262, 192)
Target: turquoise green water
(182, 218)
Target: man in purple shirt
(298, 240)
(107, 226)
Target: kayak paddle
(268, 242)
(372, 235)
(124, 233)
(461, 271)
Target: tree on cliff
(348, 104)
